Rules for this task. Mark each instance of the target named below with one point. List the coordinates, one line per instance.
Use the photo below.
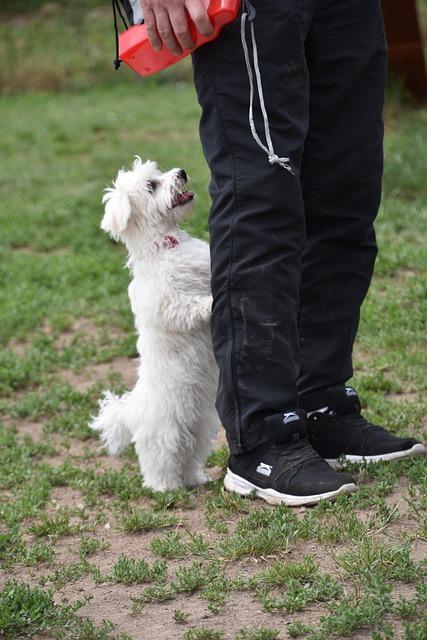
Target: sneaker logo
(349, 391)
(264, 469)
(290, 417)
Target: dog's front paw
(196, 478)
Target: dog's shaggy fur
(170, 414)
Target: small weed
(155, 593)
(40, 553)
(300, 593)
(298, 629)
(124, 484)
(180, 616)
(181, 498)
(197, 545)
(223, 503)
(170, 546)
(89, 546)
(334, 528)
(217, 587)
(133, 571)
(137, 520)
(215, 522)
(264, 532)
(189, 579)
(281, 573)
(55, 526)
(371, 559)
(70, 573)
(265, 542)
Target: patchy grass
(82, 540)
(30, 611)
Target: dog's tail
(111, 424)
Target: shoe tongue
(343, 400)
(289, 426)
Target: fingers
(164, 27)
(179, 20)
(167, 22)
(199, 15)
(151, 26)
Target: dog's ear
(117, 212)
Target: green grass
(27, 612)
(134, 571)
(170, 546)
(56, 526)
(181, 617)
(69, 517)
(68, 175)
(139, 520)
(368, 559)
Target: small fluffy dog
(170, 414)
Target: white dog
(170, 414)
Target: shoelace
(297, 452)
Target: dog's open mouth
(182, 198)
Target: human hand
(167, 23)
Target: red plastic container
(136, 51)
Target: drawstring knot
(283, 162)
(248, 16)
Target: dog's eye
(152, 185)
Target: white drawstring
(273, 158)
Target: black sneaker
(286, 470)
(338, 430)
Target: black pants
(292, 254)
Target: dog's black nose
(182, 174)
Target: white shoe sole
(237, 484)
(416, 450)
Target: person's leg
(257, 237)
(257, 216)
(341, 178)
